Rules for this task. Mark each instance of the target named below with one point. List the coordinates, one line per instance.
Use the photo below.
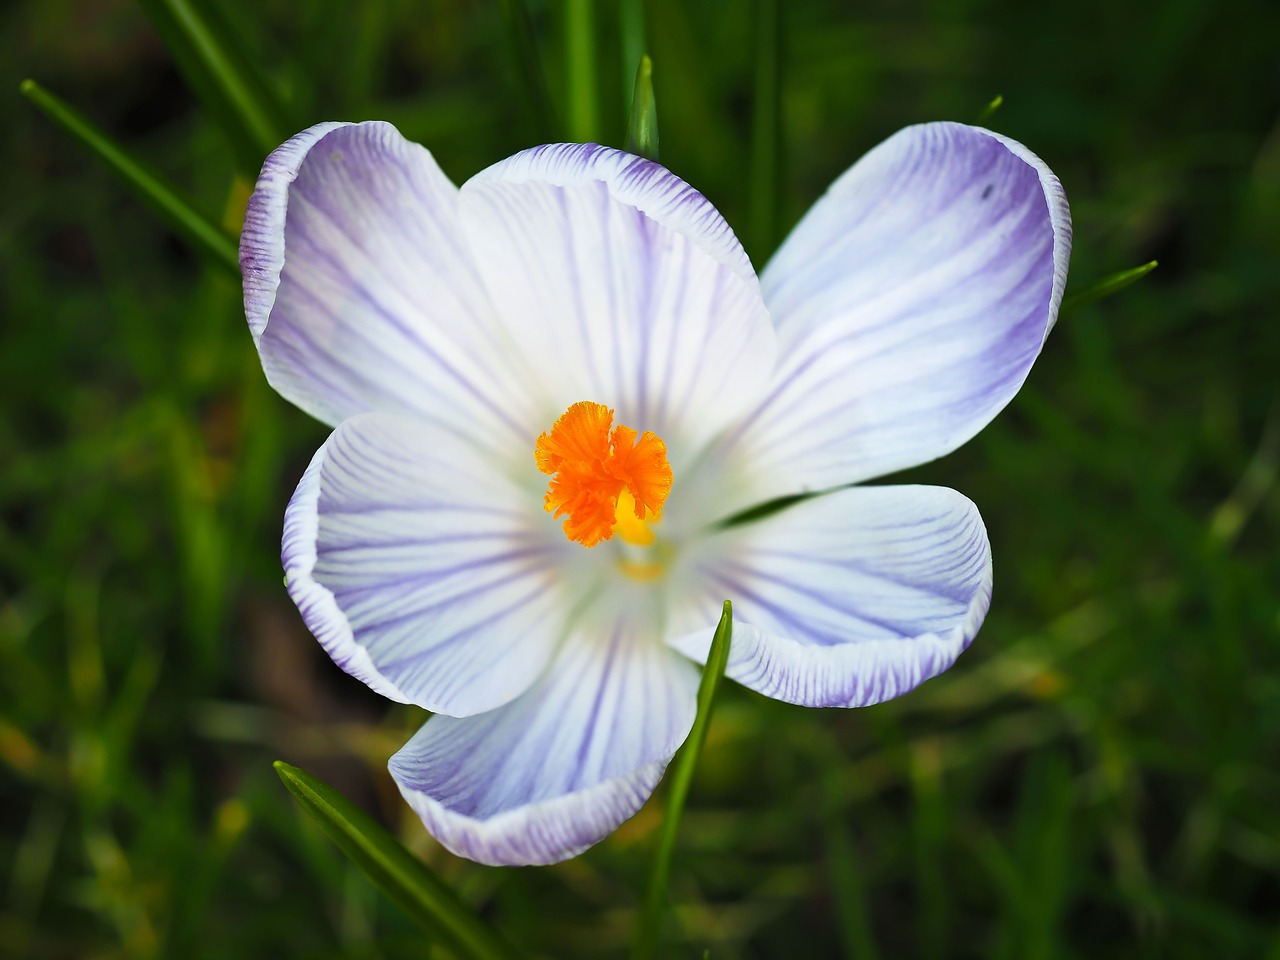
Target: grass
(1097, 777)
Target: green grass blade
(990, 109)
(175, 210)
(642, 127)
(765, 133)
(1105, 287)
(222, 76)
(852, 922)
(633, 40)
(524, 47)
(648, 932)
(580, 53)
(393, 869)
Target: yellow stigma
(627, 523)
(605, 478)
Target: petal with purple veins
(623, 288)
(910, 303)
(643, 184)
(555, 771)
(359, 288)
(422, 569)
(847, 599)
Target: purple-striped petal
(619, 285)
(423, 569)
(261, 240)
(848, 599)
(910, 303)
(643, 184)
(359, 288)
(558, 769)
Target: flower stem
(648, 932)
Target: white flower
(592, 296)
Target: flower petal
(561, 767)
(359, 289)
(910, 302)
(420, 568)
(620, 286)
(645, 185)
(262, 239)
(848, 599)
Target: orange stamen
(591, 462)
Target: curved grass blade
(236, 95)
(1105, 287)
(580, 56)
(648, 932)
(173, 208)
(393, 869)
(642, 127)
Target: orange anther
(591, 462)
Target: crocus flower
(551, 387)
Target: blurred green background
(1097, 777)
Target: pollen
(604, 478)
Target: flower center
(604, 478)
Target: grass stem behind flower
(580, 64)
(224, 76)
(989, 110)
(765, 133)
(648, 931)
(634, 41)
(524, 47)
(642, 127)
